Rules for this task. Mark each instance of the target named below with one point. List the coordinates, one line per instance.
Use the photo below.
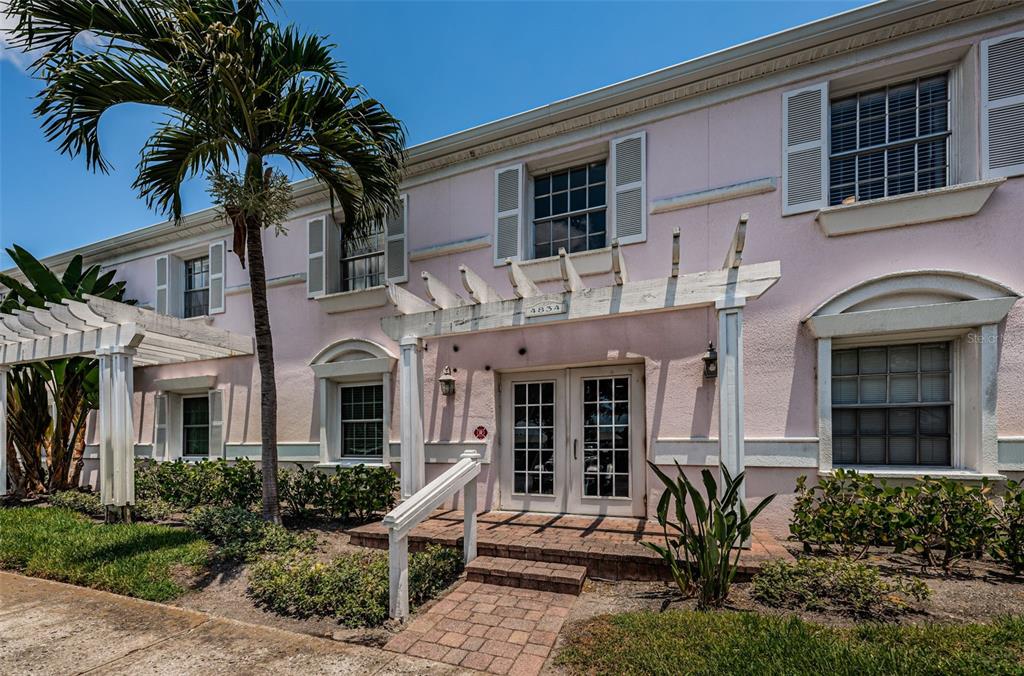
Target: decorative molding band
(449, 248)
(443, 452)
(698, 198)
(272, 283)
(1011, 454)
(781, 452)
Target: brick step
(561, 578)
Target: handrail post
(469, 513)
(398, 574)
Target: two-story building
(879, 154)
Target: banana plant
(47, 440)
(700, 551)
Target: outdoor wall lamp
(710, 361)
(447, 382)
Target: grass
(687, 642)
(136, 560)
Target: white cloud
(7, 52)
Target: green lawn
(686, 642)
(136, 560)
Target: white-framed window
(195, 426)
(197, 287)
(889, 141)
(362, 260)
(893, 404)
(362, 421)
(570, 210)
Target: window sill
(351, 462)
(594, 262)
(917, 472)
(350, 301)
(929, 206)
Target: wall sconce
(710, 361)
(447, 382)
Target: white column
(4, 370)
(117, 436)
(730, 386)
(825, 404)
(410, 377)
(469, 513)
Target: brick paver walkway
(501, 630)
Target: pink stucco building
(880, 157)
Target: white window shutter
(162, 284)
(629, 188)
(160, 431)
(216, 277)
(1002, 106)
(216, 424)
(396, 261)
(805, 149)
(508, 213)
(316, 267)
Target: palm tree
(238, 89)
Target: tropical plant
(1008, 544)
(238, 90)
(948, 516)
(699, 552)
(46, 446)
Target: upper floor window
(890, 141)
(892, 405)
(569, 210)
(197, 287)
(362, 260)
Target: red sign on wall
(480, 433)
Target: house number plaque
(546, 308)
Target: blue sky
(439, 66)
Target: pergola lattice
(120, 336)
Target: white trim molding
(759, 452)
(921, 305)
(927, 206)
(350, 301)
(723, 193)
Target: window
(569, 210)
(197, 287)
(890, 141)
(362, 260)
(362, 421)
(533, 446)
(195, 417)
(606, 437)
(892, 405)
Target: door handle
(574, 446)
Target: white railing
(402, 519)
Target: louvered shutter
(316, 268)
(160, 431)
(216, 252)
(805, 155)
(216, 424)
(162, 284)
(508, 213)
(1002, 106)
(396, 261)
(629, 193)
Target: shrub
(303, 492)
(241, 535)
(1008, 544)
(947, 515)
(350, 493)
(152, 509)
(835, 584)
(83, 502)
(845, 513)
(186, 485)
(352, 588)
(698, 552)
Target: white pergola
(483, 309)
(120, 336)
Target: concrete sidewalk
(53, 628)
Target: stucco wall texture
(714, 146)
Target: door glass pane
(533, 438)
(606, 437)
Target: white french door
(572, 441)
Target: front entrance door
(573, 441)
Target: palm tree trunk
(265, 357)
